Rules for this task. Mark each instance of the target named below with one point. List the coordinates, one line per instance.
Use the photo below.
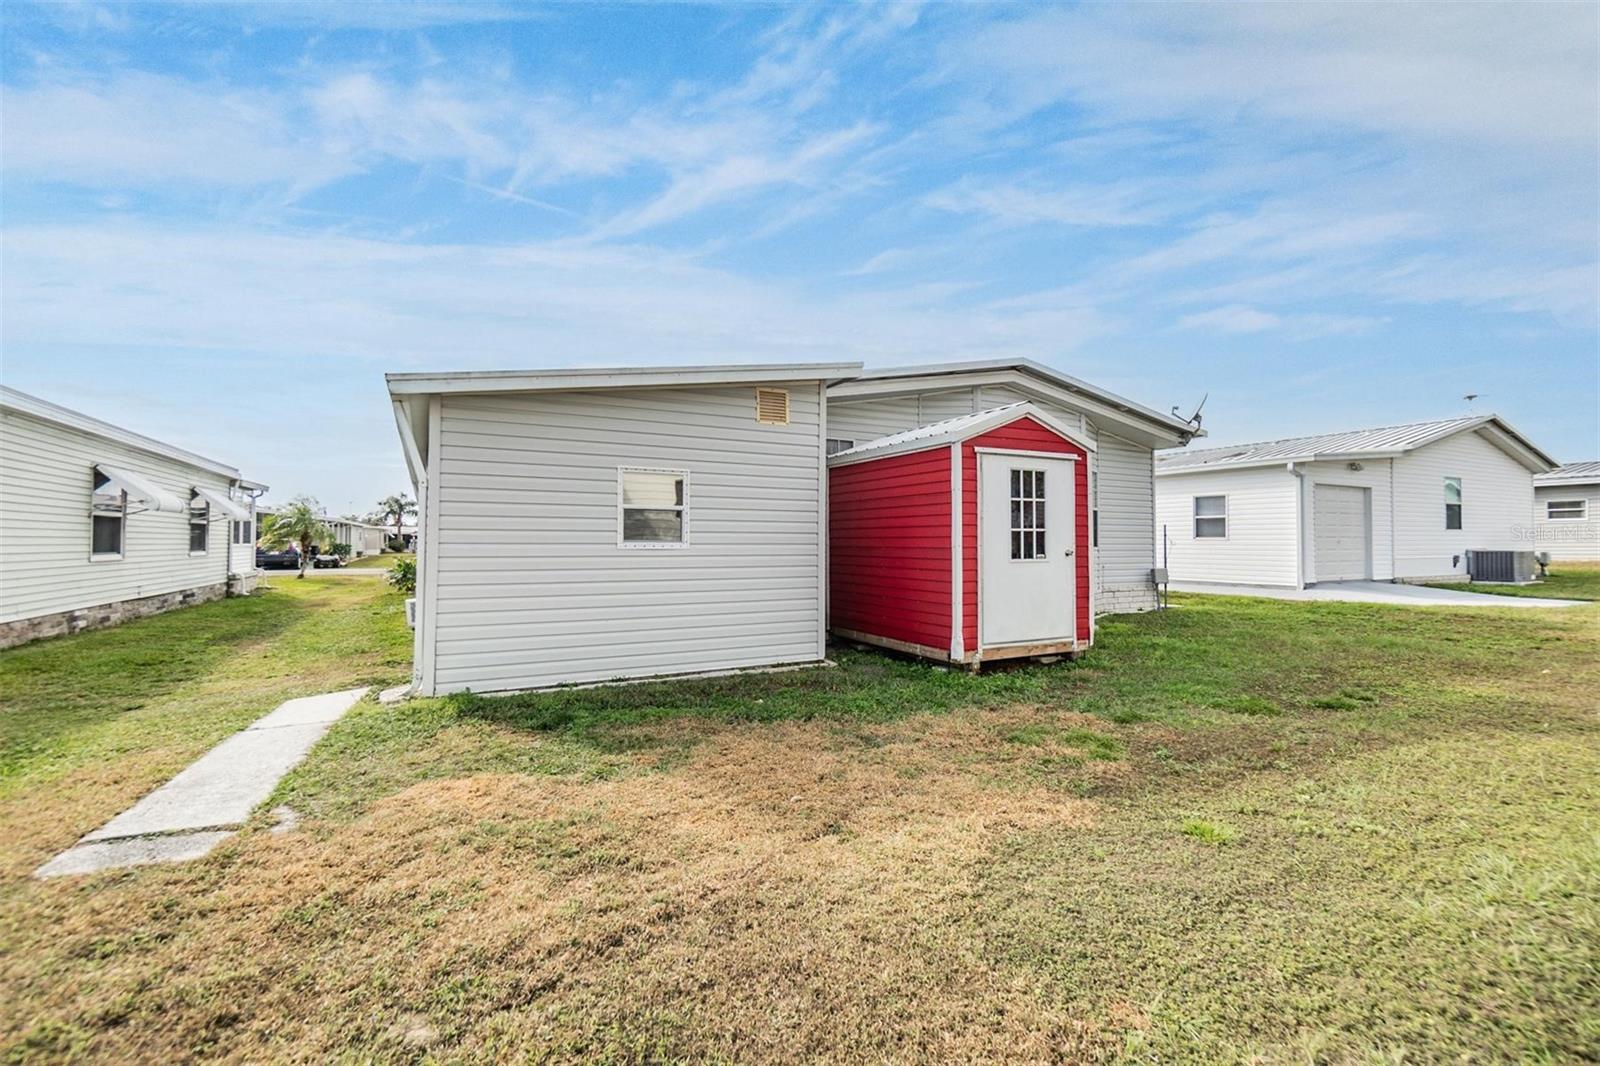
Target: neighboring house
(1566, 515)
(364, 538)
(1122, 437)
(1404, 503)
(589, 525)
(99, 524)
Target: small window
(653, 507)
(199, 525)
(1211, 516)
(1027, 514)
(108, 513)
(1566, 510)
(772, 407)
(1452, 503)
(839, 444)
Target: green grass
(1563, 581)
(1240, 830)
(384, 561)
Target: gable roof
(1385, 442)
(1051, 383)
(936, 434)
(1571, 474)
(13, 400)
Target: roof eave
(488, 381)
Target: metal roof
(1382, 442)
(1570, 474)
(1039, 370)
(15, 400)
(952, 429)
(614, 377)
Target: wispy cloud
(1240, 319)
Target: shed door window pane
(1452, 503)
(1027, 514)
(1566, 509)
(1211, 516)
(652, 507)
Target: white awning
(231, 508)
(142, 490)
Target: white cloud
(1240, 319)
(1108, 204)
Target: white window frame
(653, 545)
(189, 528)
(1039, 501)
(1195, 516)
(845, 444)
(122, 519)
(1460, 504)
(1582, 505)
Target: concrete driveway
(1375, 592)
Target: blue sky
(223, 224)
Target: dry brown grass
(788, 893)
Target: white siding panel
(533, 589)
(1497, 511)
(1262, 527)
(863, 420)
(1568, 538)
(1125, 497)
(46, 475)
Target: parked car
(329, 561)
(287, 559)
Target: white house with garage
(1401, 503)
(1566, 514)
(603, 524)
(99, 524)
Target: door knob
(1067, 552)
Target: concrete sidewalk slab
(216, 792)
(1375, 592)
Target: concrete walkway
(1375, 592)
(209, 800)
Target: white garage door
(1339, 526)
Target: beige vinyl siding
(1262, 527)
(533, 587)
(1497, 508)
(1568, 538)
(46, 476)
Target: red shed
(963, 541)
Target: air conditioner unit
(1501, 566)
(411, 611)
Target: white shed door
(1025, 579)
(1339, 526)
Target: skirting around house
(24, 630)
(1126, 599)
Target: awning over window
(231, 508)
(141, 490)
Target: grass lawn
(384, 561)
(1242, 829)
(1564, 581)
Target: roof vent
(772, 407)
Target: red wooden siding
(889, 547)
(1023, 434)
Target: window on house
(1566, 510)
(839, 444)
(1452, 503)
(1211, 516)
(108, 513)
(653, 506)
(1027, 514)
(199, 525)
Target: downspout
(1299, 525)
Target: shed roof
(1380, 443)
(949, 430)
(1571, 474)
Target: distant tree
(300, 524)
(394, 509)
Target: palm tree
(299, 524)
(396, 508)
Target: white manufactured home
(1401, 503)
(1566, 515)
(99, 524)
(592, 525)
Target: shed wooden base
(974, 660)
